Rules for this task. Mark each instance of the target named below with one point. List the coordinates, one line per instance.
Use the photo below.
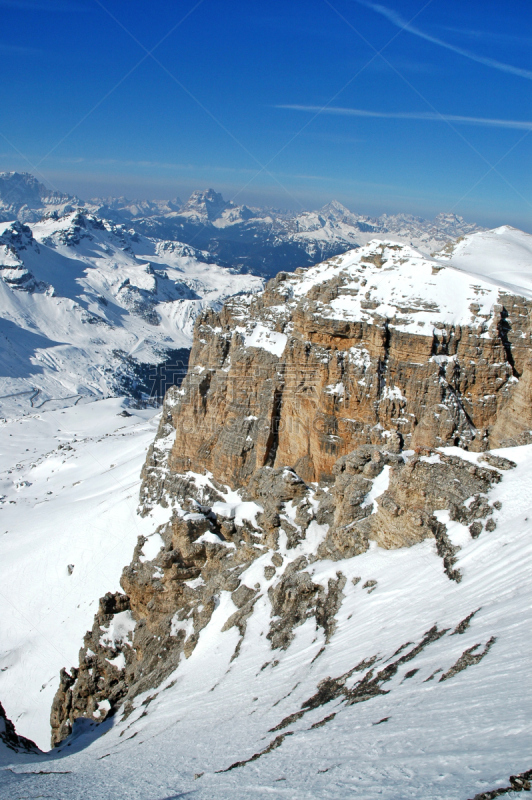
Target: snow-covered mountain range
(259, 240)
(93, 296)
(88, 308)
(361, 634)
(264, 241)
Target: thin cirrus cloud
(429, 116)
(19, 50)
(396, 19)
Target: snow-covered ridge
(84, 302)
(502, 256)
(458, 286)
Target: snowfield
(433, 732)
(503, 255)
(69, 485)
(87, 306)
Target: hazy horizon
(406, 107)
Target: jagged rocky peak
(15, 240)
(23, 188)
(206, 205)
(23, 197)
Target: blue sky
(388, 106)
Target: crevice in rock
(503, 328)
(382, 364)
(273, 436)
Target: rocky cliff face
(378, 341)
(305, 431)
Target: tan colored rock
(341, 382)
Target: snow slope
(68, 495)
(430, 734)
(502, 255)
(84, 304)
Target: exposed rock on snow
(10, 740)
(345, 604)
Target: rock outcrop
(348, 353)
(310, 425)
(138, 638)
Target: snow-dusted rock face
(378, 341)
(23, 197)
(10, 741)
(309, 605)
(89, 308)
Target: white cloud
(396, 19)
(429, 116)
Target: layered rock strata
(376, 341)
(304, 431)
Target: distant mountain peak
(206, 204)
(24, 188)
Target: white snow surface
(69, 483)
(266, 339)
(422, 738)
(418, 293)
(79, 295)
(502, 255)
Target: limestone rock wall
(321, 402)
(315, 383)
(139, 637)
